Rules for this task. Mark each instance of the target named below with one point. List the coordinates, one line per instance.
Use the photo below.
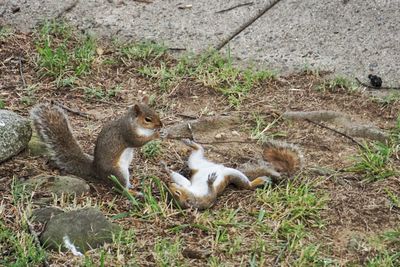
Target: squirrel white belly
(208, 180)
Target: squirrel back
(53, 128)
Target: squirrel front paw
(212, 177)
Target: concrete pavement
(351, 37)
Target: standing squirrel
(210, 179)
(114, 147)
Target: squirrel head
(187, 199)
(144, 123)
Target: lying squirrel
(210, 179)
(114, 147)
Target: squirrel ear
(135, 110)
(145, 100)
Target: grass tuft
(386, 251)
(62, 54)
(18, 248)
(5, 33)
(374, 162)
(211, 69)
(168, 253)
(339, 84)
(145, 51)
(152, 149)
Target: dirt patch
(354, 206)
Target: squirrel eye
(178, 193)
(147, 119)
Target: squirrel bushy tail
(53, 128)
(284, 157)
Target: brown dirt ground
(355, 208)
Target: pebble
(235, 133)
(219, 136)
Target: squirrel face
(186, 199)
(143, 125)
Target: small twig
(37, 242)
(336, 131)
(239, 5)
(245, 25)
(74, 111)
(177, 48)
(67, 9)
(376, 88)
(21, 71)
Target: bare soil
(356, 209)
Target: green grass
(2, 104)
(263, 131)
(18, 248)
(155, 205)
(145, 51)
(62, 54)
(211, 69)
(374, 162)
(310, 70)
(124, 191)
(387, 249)
(28, 97)
(395, 135)
(101, 93)
(387, 100)
(5, 33)
(168, 253)
(394, 199)
(152, 149)
(125, 243)
(338, 84)
(295, 207)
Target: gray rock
(15, 133)
(57, 184)
(86, 229)
(44, 215)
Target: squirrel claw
(212, 177)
